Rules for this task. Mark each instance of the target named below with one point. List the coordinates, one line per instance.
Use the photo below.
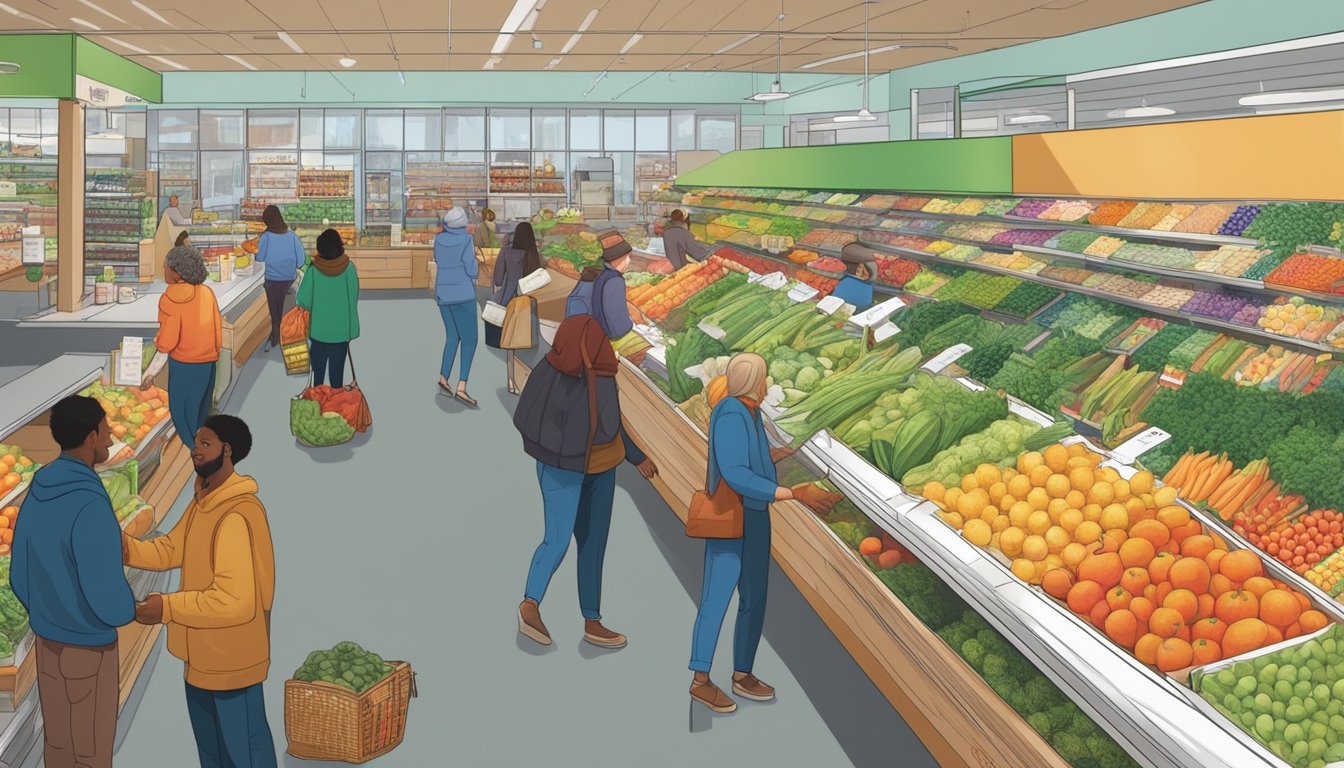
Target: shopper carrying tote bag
(517, 261)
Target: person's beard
(209, 468)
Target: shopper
(191, 334)
(520, 259)
(569, 416)
(600, 291)
(219, 622)
(678, 242)
(183, 238)
(282, 252)
(455, 291)
(856, 287)
(485, 235)
(331, 294)
(740, 455)
(67, 573)
(174, 213)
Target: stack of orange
(8, 516)
(658, 299)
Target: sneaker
(748, 687)
(711, 696)
(596, 634)
(530, 624)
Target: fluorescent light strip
(574, 40)
(167, 62)
(287, 40)
(1207, 58)
(153, 14)
(1276, 98)
(84, 23)
(631, 43)
(127, 46)
(492, 61)
(501, 43)
(9, 9)
(745, 39)
(103, 11)
(1030, 119)
(848, 56)
(239, 61)
(1133, 113)
(553, 63)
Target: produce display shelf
(32, 394)
(819, 224)
(1213, 278)
(1196, 320)
(883, 288)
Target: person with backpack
(601, 290)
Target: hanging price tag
(885, 331)
(774, 281)
(802, 292)
(1140, 444)
(971, 384)
(948, 357)
(712, 331)
(830, 305)
(871, 317)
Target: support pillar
(70, 207)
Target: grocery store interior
(1049, 296)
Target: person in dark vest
(679, 244)
(601, 290)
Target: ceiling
(412, 35)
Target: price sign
(948, 357)
(130, 362)
(871, 317)
(8, 189)
(830, 305)
(774, 281)
(1140, 444)
(802, 292)
(712, 331)
(885, 331)
(971, 384)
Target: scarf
(332, 267)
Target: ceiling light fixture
(347, 62)
(153, 14)
(401, 76)
(103, 11)
(521, 10)
(168, 62)
(9, 68)
(1029, 119)
(745, 39)
(492, 61)
(127, 46)
(240, 61)
(884, 49)
(776, 92)
(289, 41)
(531, 20)
(1291, 97)
(84, 23)
(553, 63)
(9, 9)
(1141, 111)
(631, 43)
(863, 115)
(536, 43)
(574, 39)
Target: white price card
(34, 246)
(712, 331)
(830, 305)
(971, 384)
(871, 317)
(9, 189)
(534, 282)
(1140, 444)
(1172, 380)
(885, 331)
(802, 292)
(650, 334)
(1019, 408)
(948, 357)
(656, 358)
(130, 362)
(774, 281)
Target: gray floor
(414, 542)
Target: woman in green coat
(330, 291)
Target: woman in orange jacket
(191, 334)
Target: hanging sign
(102, 94)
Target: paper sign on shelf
(885, 331)
(871, 317)
(774, 281)
(534, 282)
(802, 292)
(9, 189)
(1140, 444)
(34, 246)
(1019, 408)
(948, 357)
(712, 331)
(970, 384)
(830, 305)
(130, 368)
(658, 355)
(1172, 380)
(650, 334)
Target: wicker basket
(296, 358)
(328, 722)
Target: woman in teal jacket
(330, 291)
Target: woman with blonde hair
(740, 455)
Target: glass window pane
(340, 129)
(423, 130)
(548, 173)
(273, 129)
(618, 130)
(312, 160)
(382, 129)
(683, 130)
(585, 129)
(464, 129)
(177, 128)
(718, 133)
(651, 131)
(220, 129)
(548, 128)
(510, 129)
(310, 129)
(223, 180)
(624, 181)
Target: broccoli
(1068, 746)
(1062, 716)
(1003, 686)
(1043, 694)
(924, 594)
(807, 379)
(1040, 723)
(1113, 757)
(975, 622)
(995, 666)
(973, 652)
(1017, 699)
(850, 533)
(956, 633)
(994, 642)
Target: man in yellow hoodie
(219, 623)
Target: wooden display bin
(392, 268)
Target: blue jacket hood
(63, 477)
(454, 236)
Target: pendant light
(776, 92)
(863, 115)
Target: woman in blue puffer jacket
(455, 291)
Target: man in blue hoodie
(67, 571)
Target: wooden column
(70, 207)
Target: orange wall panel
(1279, 157)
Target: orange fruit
(1152, 530)
(1234, 606)
(1173, 516)
(1165, 622)
(1184, 602)
(1113, 539)
(1057, 583)
(1197, 546)
(1205, 652)
(1135, 579)
(1173, 654)
(1244, 636)
(1084, 595)
(1137, 552)
(1145, 649)
(870, 546)
(1294, 631)
(1303, 600)
(1258, 586)
(1105, 569)
(1150, 592)
(1161, 591)
(1192, 528)
(1219, 584)
(1056, 457)
(1279, 608)
(1273, 635)
(1207, 605)
(1118, 598)
(1123, 628)
(1312, 621)
(1057, 486)
(1190, 573)
(1142, 608)
(1215, 557)
(1098, 614)
(1039, 476)
(1240, 566)
(1160, 568)
(1209, 629)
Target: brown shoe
(596, 634)
(530, 624)
(711, 696)
(748, 687)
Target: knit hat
(613, 245)
(455, 218)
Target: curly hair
(188, 263)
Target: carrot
(1177, 471)
(1227, 490)
(1216, 474)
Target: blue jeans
(230, 727)
(459, 322)
(742, 564)
(576, 505)
(324, 356)
(191, 392)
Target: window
(423, 130)
(340, 129)
(624, 177)
(310, 129)
(585, 129)
(220, 129)
(464, 130)
(651, 131)
(718, 132)
(510, 129)
(176, 128)
(273, 129)
(548, 129)
(683, 130)
(223, 180)
(618, 130)
(382, 129)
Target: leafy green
(346, 665)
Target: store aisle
(414, 542)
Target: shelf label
(1140, 444)
(971, 384)
(830, 305)
(34, 246)
(774, 281)
(658, 355)
(9, 189)
(802, 292)
(712, 331)
(871, 317)
(885, 331)
(1019, 408)
(1172, 380)
(130, 367)
(948, 357)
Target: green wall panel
(97, 63)
(950, 165)
(47, 66)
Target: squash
(717, 390)
(250, 246)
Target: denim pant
(230, 727)
(576, 505)
(324, 356)
(459, 322)
(742, 564)
(276, 290)
(191, 392)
